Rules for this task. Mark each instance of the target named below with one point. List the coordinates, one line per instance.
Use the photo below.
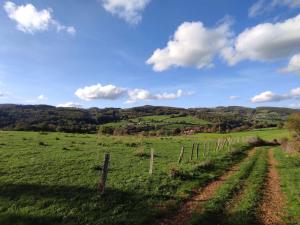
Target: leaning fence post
(151, 162)
(208, 146)
(218, 145)
(192, 153)
(104, 173)
(197, 151)
(181, 154)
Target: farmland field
(51, 178)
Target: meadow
(52, 178)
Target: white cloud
(293, 66)
(129, 10)
(98, 91)
(192, 45)
(41, 97)
(135, 95)
(257, 8)
(30, 20)
(269, 96)
(139, 94)
(71, 30)
(166, 95)
(233, 97)
(111, 92)
(1, 94)
(262, 6)
(69, 105)
(265, 42)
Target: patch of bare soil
(194, 204)
(272, 204)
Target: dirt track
(195, 203)
(272, 204)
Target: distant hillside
(147, 119)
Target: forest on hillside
(147, 120)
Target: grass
(215, 207)
(244, 211)
(167, 122)
(289, 171)
(51, 178)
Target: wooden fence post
(208, 146)
(192, 153)
(151, 162)
(217, 145)
(104, 173)
(197, 152)
(181, 154)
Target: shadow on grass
(10, 218)
(71, 205)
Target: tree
(293, 123)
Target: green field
(51, 178)
(289, 169)
(166, 122)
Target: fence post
(104, 173)
(204, 149)
(192, 153)
(197, 152)
(151, 162)
(208, 146)
(181, 154)
(218, 145)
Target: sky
(127, 53)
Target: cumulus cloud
(30, 20)
(99, 91)
(293, 65)
(192, 45)
(263, 6)
(265, 42)
(135, 95)
(112, 92)
(69, 105)
(129, 10)
(269, 96)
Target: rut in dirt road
(272, 204)
(194, 204)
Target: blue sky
(125, 53)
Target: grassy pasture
(289, 171)
(163, 121)
(51, 178)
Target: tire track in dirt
(194, 204)
(272, 204)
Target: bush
(293, 123)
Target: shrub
(293, 123)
